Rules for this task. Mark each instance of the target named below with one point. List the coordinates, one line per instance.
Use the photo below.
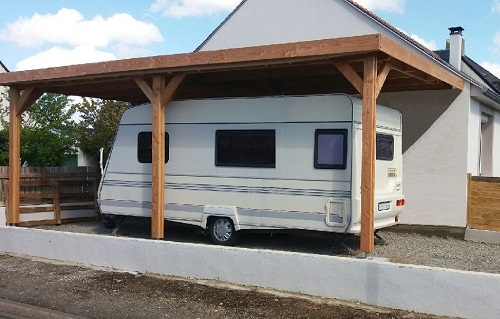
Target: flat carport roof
(365, 65)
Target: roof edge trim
(402, 37)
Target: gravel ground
(400, 248)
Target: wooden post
(158, 160)
(368, 154)
(160, 95)
(369, 87)
(56, 201)
(14, 157)
(469, 194)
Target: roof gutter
(489, 93)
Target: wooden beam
(14, 157)
(368, 154)
(351, 75)
(382, 76)
(28, 97)
(412, 72)
(172, 86)
(419, 62)
(162, 95)
(265, 55)
(144, 86)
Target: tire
(108, 222)
(222, 231)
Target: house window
(330, 150)
(245, 148)
(145, 147)
(385, 147)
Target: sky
(37, 34)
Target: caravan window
(330, 150)
(245, 148)
(385, 147)
(145, 147)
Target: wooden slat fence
(54, 195)
(483, 203)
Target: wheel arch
(212, 211)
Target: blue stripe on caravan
(248, 212)
(148, 205)
(125, 203)
(234, 188)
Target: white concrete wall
(496, 144)
(423, 289)
(3, 216)
(435, 165)
(474, 128)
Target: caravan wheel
(222, 232)
(109, 222)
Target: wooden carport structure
(365, 65)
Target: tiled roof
(491, 80)
(392, 28)
(484, 74)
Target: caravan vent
(392, 173)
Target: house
(446, 133)
(483, 137)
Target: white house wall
(261, 22)
(435, 165)
(474, 127)
(496, 144)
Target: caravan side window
(330, 149)
(245, 148)
(145, 147)
(385, 147)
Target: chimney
(456, 46)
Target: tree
(99, 123)
(47, 133)
(41, 147)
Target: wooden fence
(483, 203)
(54, 195)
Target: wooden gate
(483, 203)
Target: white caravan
(265, 163)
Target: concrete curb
(3, 217)
(408, 287)
(483, 236)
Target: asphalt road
(17, 310)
